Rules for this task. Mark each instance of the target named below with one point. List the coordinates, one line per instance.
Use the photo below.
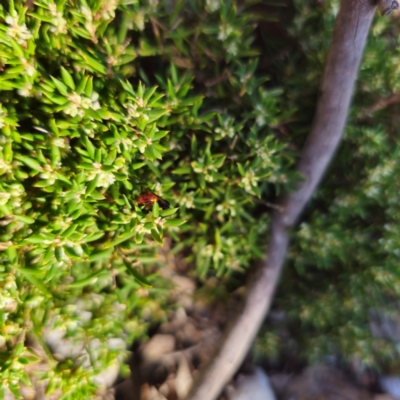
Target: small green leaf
(128, 87)
(149, 153)
(125, 236)
(96, 65)
(82, 85)
(31, 277)
(90, 280)
(170, 211)
(95, 195)
(67, 78)
(149, 93)
(156, 209)
(156, 236)
(12, 253)
(34, 239)
(182, 171)
(97, 156)
(174, 222)
(8, 152)
(92, 184)
(89, 87)
(93, 237)
(160, 134)
(60, 86)
(217, 163)
(89, 147)
(155, 115)
(69, 231)
(40, 17)
(110, 158)
(59, 253)
(24, 218)
(30, 162)
(77, 30)
(136, 275)
(138, 165)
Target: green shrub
(207, 104)
(101, 101)
(343, 268)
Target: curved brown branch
(349, 37)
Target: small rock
(157, 346)
(61, 347)
(181, 315)
(391, 385)
(323, 382)
(27, 392)
(183, 379)
(183, 292)
(154, 394)
(279, 383)
(167, 389)
(385, 326)
(108, 376)
(108, 394)
(252, 387)
(188, 335)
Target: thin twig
(350, 33)
(268, 204)
(381, 104)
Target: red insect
(147, 198)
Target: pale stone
(252, 387)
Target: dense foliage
(101, 101)
(342, 278)
(206, 103)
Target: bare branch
(349, 37)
